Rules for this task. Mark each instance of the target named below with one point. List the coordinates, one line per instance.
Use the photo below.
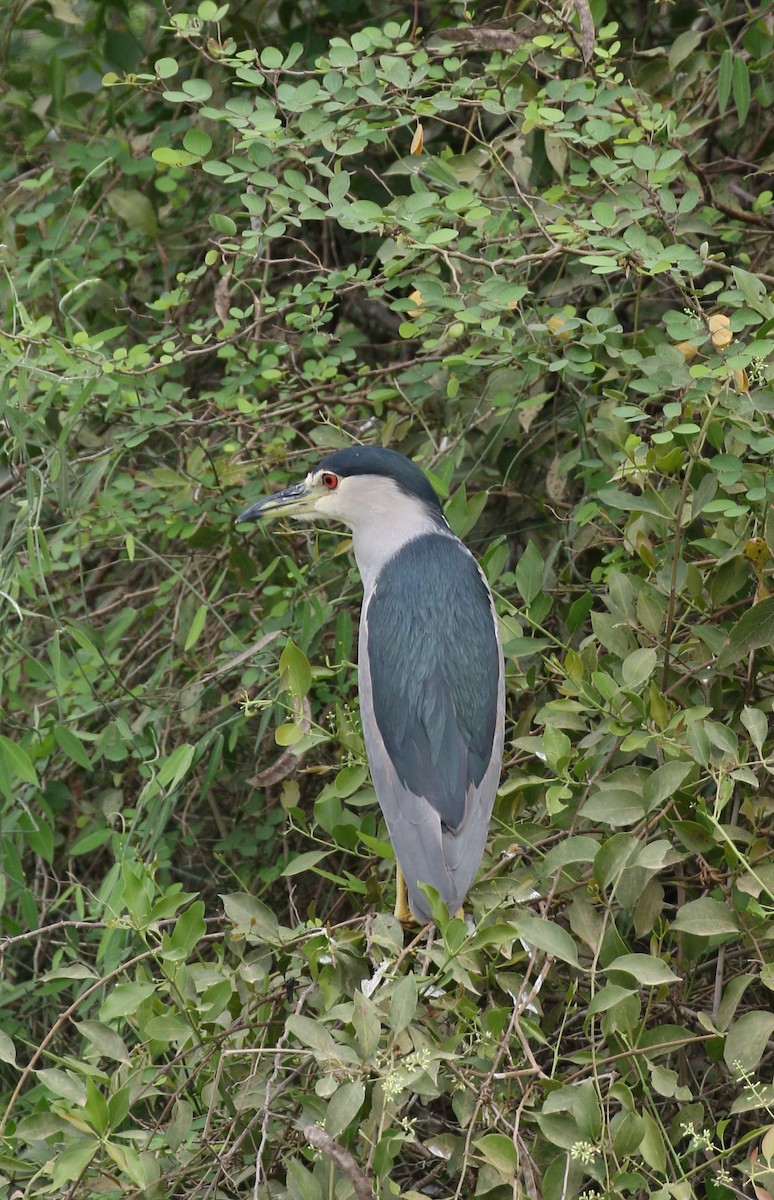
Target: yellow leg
(402, 911)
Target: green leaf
(125, 999)
(313, 1035)
(300, 1183)
(645, 970)
(223, 224)
(71, 1162)
(72, 746)
(403, 1003)
(304, 862)
(338, 188)
(757, 725)
(614, 854)
(683, 45)
(614, 806)
(548, 937)
(367, 1025)
(741, 88)
(295, 672)
(250, 917)
(662, 783)
(17, 760)
(530, 573)
(500, 1152)
(652, 1146)
(271, 58)
(705, 917)
(638, 667)
(747, 1040)
(169, 1028)
(175, 766)
(198, 90)
(64, 1084)
(189, 928)
(570, 850)
(105, 1040)
(196, 141)
(196, 627)
(733, 992)
(343, 1107)
(173, 158)
(135, 209)
(7, 1049)
(366, 210)
(608, 996)
(90, 841)
(578, 611)
(165, 68)
(752, 631)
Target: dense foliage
(532, 248)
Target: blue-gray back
(434, 664)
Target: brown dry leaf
(688, 350)
(556, 481)
(418, 140)
(718, 325)
(767, 1144)
(586, 22)
(558, 327)
(741, 380)
(222, 297)
(761, 1193)
(527, 416)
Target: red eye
(330, 481)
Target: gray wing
(431, 694)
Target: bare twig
(342, 1158)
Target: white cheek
(342, 502)
(328, 504)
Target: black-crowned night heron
(431, 667)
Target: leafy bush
(534, 254)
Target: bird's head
(354, 486)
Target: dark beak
(295, 501)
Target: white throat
(375, 542)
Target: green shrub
(535, 255)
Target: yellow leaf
(417, 298)
(718, 325)
(758, 552)
(558, 327)
(688, 350)
(418, 140)
(741, 380)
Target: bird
(430, 665)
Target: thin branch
(320, 1140)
